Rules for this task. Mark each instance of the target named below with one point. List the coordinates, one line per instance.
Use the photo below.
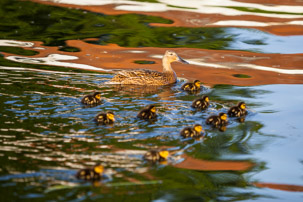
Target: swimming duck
(92, 99)
(156, 156)
(191, 86)
(217, 121)
(150, 77)
(105, 118)
(201, 103)
(148, 113)
(193, 132)
(90, 174)
(238, 111)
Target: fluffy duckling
(238, 111)
(191, 86)
(148, 113)
(92, 99)
(90, 174)
(217, 121)
(105, 118)
(201, 103)
(156, 156)
(193, 132)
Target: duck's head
(171, 56)
(99, 169)
(164, 154)
(152, 108)
(223, 116)
(242, 105)
(97, 95)
(198, 128)
(205, 98)
(197, 83)
(110, 116)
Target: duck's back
(143, 77)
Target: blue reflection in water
(257, 41)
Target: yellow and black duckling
(92, 99)
(105, 118)
(194, 132)
(201, 103)
(150, 77)
(217, 121)
(195, 86)
(156, 156)
(148, 113)
(91, 174)
(238, 111)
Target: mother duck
(150, 77)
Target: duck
(91, 174)
(148, 113)
(195, 86)
(156, 156)
(238, 111)
(150, 77)
(217, 121)
(201, 103)
(105, 118)
(192, 132)
(92, 99)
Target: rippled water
(46, 135)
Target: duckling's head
(97, 95)
(205, 98)
(197, 83)
(110, 116)
(242, 105)
(171, 56)
(152, 108)
(198, 128)
(164, 154)
(99, 169)
(223, 116)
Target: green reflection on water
(22, 20)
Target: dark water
(46, 135)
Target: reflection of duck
(92, 99)
(201, 103)
(193, 132)
(238, 111)
(191, 86)
(149, 77)
(156, 156)
(217, 121)
(94, 173)
(148, 113)
(105, 118)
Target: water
(47, 135)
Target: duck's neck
(166, 66)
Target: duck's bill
(183, 61)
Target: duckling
(193, 132)
(217, 121)
(90, 174)
(148, 113)
(156, 156)
(238, 111)
(150, 77)
(191, 86)
(92, 99)
(105, 118)
(201, 103)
